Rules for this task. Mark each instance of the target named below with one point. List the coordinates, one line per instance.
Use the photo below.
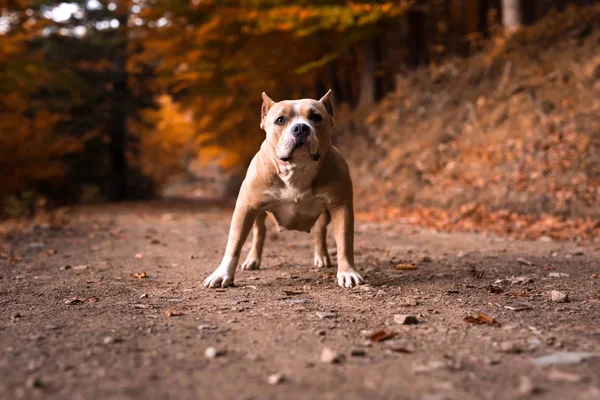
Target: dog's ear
(327, 102)
(266, 106)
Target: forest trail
(121, 336)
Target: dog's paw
(349, 279)
(250, 264)
(218, 279)
(322, 261)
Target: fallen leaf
(139, 256)
(51, 252)
(75, 300)
(380, 336)
(140, 275)
(481, 319)
(14, 260)
(173, 313)
(405, 267)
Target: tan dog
(300, 179)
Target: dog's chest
(295, 207)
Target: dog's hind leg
(259, 231)
(321, 255)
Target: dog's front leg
(241, 223)
(342, 220)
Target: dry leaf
(173, 313)
(140, 275)
(380, 336)
(405, 267)
(481, 319)
(51, 252)
(75, 300)
(139, 256)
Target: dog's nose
(300, 130)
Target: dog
(299, 179)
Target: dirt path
(119, 343)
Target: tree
(511, 15)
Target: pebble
(405, 319)
(510, 347)
(409, 301)
(559, 297)
(563, 376)
(324, 314)
(558, 275)
(144, 296)
(565, 358)
(527, 387)
(329, 356)
(111, 340)
(275, 379)
(212, 352)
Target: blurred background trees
(110, 99)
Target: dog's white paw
(349, 279)
(322, 261)
(250, 264)
(219, 278)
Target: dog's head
(298, 126)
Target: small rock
(527, 387)
(212, 352)
(520, 280)
(426, 259)
(33, 382)
(558, 275)
(321, 333)
(324, 314)
(577, 253)
(565, 358)
(563, 376)
(111, 340)
(524, 261)
(559, 297)
(510, 347)
(16, 316)
(275, 379)
(405, 319)
(37, 245)
(409, 301)
(329, 356)
(144, 296)
(204, 327)
(51, 327)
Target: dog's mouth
(296, 143)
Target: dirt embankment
(514, 130)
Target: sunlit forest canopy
(110, 99)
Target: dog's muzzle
(300, 133)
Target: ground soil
(119, 343)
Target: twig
(505, 77)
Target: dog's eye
(316, 118)
(280, 120)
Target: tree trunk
(511, 15)
(118, 115)
(368, 81)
